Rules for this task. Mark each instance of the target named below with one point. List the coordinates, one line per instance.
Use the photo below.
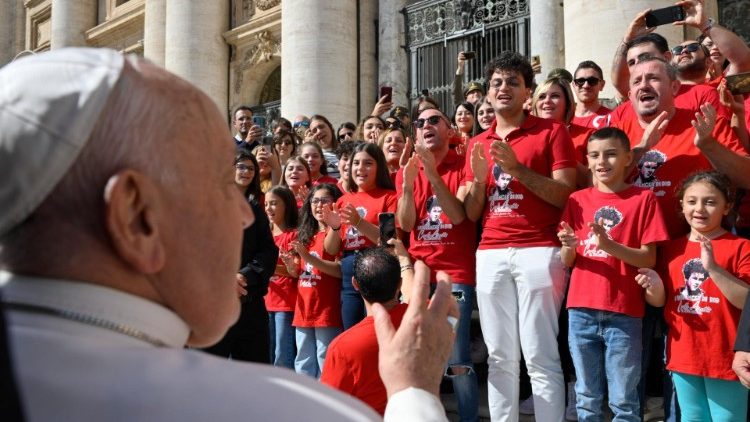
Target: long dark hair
(291, 214)
(252, 191)
(334, 135)
(382, 176)
(470, 107)
(308, 225)
(323, 170)
(300, 160)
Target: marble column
(547, 34)
(195, 48)
(393, 61)
(8, 30)
(154, 28)
(368, 67)
(70, 21)
(319, 59)
(596, 34)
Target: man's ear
(355, 284)
(131, 202)
(675, 86)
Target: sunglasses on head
(433, 120)
(304, 123)
(343, 136)
(591, 80)
(393, 125)
(690, 48)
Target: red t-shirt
(318, 294)
(580, 136)
(595, 121)
(513, 216)
(351, 363)
(702, 323)
(368, 204)
(690, 97)
(673, 158)
(599, 280)
(325, 179)
(442, 245)
(282, 290)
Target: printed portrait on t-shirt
(501, 196)
(694, 275)
(353, 238)
(307, 278)
(648, 165)
(609, 217)
(434, 211)
(432, 227)
(308, 266)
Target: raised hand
(479, 162)
(331, 215)
(349, 215)
(427, 158)
(707, 254)
(241, 285)
(567, 236)
(406, 153)
(704, 124)
(381, 106)
(504, 156)
(647, 278)
(302, 193)
(411, 169)
(601, 238)
(694, 13)
(638, 27)
(298, 247)
(654, 131)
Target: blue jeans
(282, 334)
(465, 386)
(312, 345)
(606, 351)
(352, 305)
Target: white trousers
(519, 294)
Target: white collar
(97, 302)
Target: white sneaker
(526, 407)
(571, 414)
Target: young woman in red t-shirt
(317, 314)
(281, 209)
(297, 177)
(706, 275)
(313, 154)
(354, 220)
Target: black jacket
(259, 254)
(743, 331)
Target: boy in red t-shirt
(608, 231)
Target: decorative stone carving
(263, 51)
(267, 4)
(733, 15)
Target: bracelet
(406, 267)
(709, 25)
(337, 228)
(359, 221)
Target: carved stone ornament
(267, 4)
(263, 51)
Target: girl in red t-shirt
(317, 314)
(281, 209)
(297, 177)
(706, 275)
(354, 220)
(313, 154)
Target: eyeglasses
(325, 200)
(344, 135)
(591, 80)
(690, 48)
(244, 167)
(304, 123)
(433, 120)
(396, 124)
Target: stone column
(393, 66)
(8, 30)
(319, 59)
(547, 38)
(596, 34)
(368, 67)
(154, 28)
(195, 48)
(70, 21)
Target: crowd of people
(532, 198)
(539, 206)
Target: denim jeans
(519, 293)
(282, 336)
(312, 345)
(606, 351)
(352, 305)
(465, 386)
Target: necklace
(89, 320)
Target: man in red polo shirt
(683, 142)
(442, 236)
(351, 363)
(519, 176)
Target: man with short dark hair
(588, 82)
(351, 363)
(520, 277)
(247, 132)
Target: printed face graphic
(608, 224)
(435, 213)
(649, 168)
(502, 179)
(695, 280)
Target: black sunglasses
(343, 136)
(433, 120)
(690, 48)
(591, 80)
(393, 125)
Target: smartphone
(739, 83)
(387, 224)
(459, 296)
(536, 61)
(259, 121)
(468, 55)
(386, 91)
(664, 16)
(267, 143)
